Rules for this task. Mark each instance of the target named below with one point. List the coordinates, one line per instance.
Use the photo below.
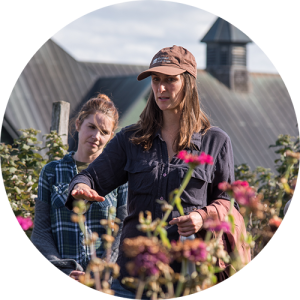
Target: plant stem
(185, 182)
(96, 274)
(180, 284)
(140, 289)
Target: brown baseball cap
(171, 61)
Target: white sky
(133, 32)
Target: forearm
(43, 240)
(42, 236)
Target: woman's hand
(82, 191)
(189, 224)
(75, 274)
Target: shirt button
(164, 174)
(161, 198)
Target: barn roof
(222, 31)
(51, 75)
(54, 75)
(252, 120)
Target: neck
(84, 157)
(171, 121)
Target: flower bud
(204, 269)
(74, 218)
(112, 210)
(94, 236)
(214, 260)
(76, 210)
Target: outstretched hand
(82, 191)
(189, 224)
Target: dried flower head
(194, 250)
(148, 255)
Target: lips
(93, 144)
(163, 98)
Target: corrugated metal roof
(51, 75)
(254, 120)
(222, 31)
(114, 70)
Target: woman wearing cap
(145, 155)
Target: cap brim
(161, 69)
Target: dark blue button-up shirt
(151, 176)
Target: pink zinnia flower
(243, 194)
(216, 225)
(25, 223)
(195, 160)
(240, 183)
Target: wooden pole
(60, 119)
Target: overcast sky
(133, 32)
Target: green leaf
(179, 206)
(231, 221)
(164, 237)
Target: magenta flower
(195, 252)
(244, 195)
(239, 183)
(25, 223)
(147, 263)
(195, 160)
(216, 225)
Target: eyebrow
(101, 129)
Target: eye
(155, 79)
(92, 126)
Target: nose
(161, 88)
(97, 135)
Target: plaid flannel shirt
(53, 189)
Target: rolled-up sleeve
(106, 172)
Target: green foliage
(274, 189)
(21, 164)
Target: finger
(188, 233)
(186, 228)
(96, 196)
(179, 220)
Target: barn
(253, 108)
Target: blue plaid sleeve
(44, 186)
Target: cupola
(226, 55)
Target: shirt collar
(196, 138)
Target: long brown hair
(192, 118)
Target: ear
(77, 126)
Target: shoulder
(52, 166)
(215, 141)
(217, 134)
(129, 130)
